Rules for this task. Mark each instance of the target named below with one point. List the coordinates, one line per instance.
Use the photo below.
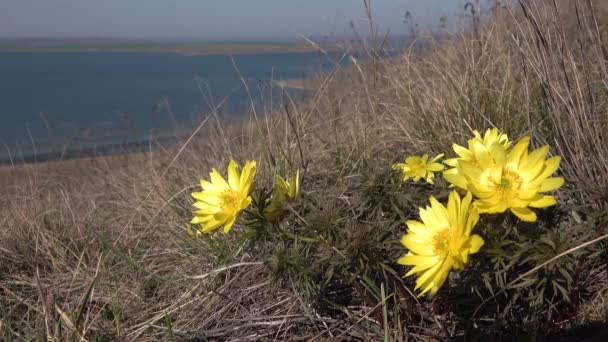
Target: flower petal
(436, 158)
(229, 224)
(551, 184)
(498, 153)
(545, 201)
(233, 175)
(482, 155)
(551, 165)
(517, 152)
(455, 179)
(435, 167)
(524, 214)
(417, 245)
(463, 152)
(475, 244)
(218, 180)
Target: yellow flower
(512, 179)
(221, 202)
(288, 187)
(441, 242)
(490, 137)
(419, 168)
(283, 189)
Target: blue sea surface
(54, 101)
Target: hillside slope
(102, 249)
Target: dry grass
(97, 249)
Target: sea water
(69, 101)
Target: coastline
(103, 150)
(187, 49)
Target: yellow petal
(486, 207)
(480, 191)
(453, 162)
(233, 175)
(211, 226)
(470, 170)
(229, 224)
(417, 245)
(471, 220)
(489, 134)
(455, 179)
(551, 184)
(528, 194)
(435, 167)
(421, 263)
(514, 202)
(475, 244)
(441, 276)
(545, 201)
(418, 228)
(206, 197)
(196, 220)
(465, 207)
(399, 166)
(246, 202)
(482, 155)
(454, 211)
(538, 156)
(551, 165)
(208, 186)
(498, 153)
(247, 176)
(477, 135)
(428, 276)
(440, 212)
(207, 211)
(463, 152)
(517, 152)
(218, 180)
(436, 158)
(524, 214)
(413, 160)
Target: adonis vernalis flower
(490, 137)
(221, 202)
(419, 168)
(284, 189)
(441, 242)
(512, 179)
(288, 187)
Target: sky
(212, 19)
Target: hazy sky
(210, 19)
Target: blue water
(53, 101)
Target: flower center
(442, 242)
(229, 200)
(508, 184)
(504, 184)
(417, 166)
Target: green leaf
(83, 307)
(169, 328)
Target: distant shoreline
(102, 150)
(191, 49)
